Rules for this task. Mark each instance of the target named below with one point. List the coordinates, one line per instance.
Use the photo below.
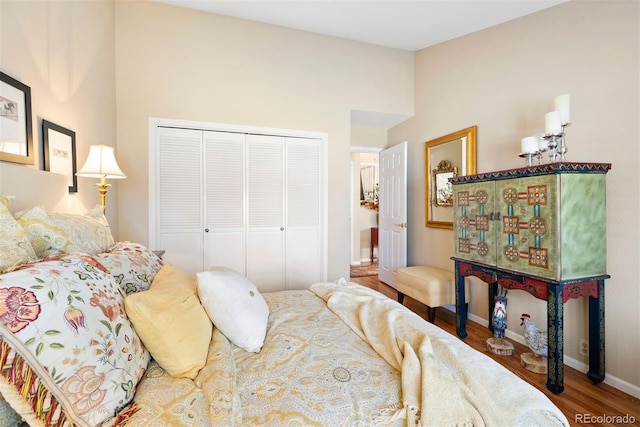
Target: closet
(252, 202)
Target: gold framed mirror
(445, 157)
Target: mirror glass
(448, 156)
(442, 191)
(369, 187)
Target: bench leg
(431, 314)
(400, 297)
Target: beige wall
(65, 52)
(183, 64)
(504, 79)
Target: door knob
(206, 230)
(401, 225)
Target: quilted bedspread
(444, 382)
(319, 368)
(305, 375)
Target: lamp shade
(101, 162)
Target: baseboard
(615, 382)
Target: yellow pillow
(171, 323)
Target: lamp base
(102, 189)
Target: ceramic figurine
(500, 313)
(534, 337)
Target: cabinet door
(475, 227)
(303, 263)
(265, 211)
(178, 216)
(224, 201)
(528, 233)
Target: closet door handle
(281, 228)
(206, 230)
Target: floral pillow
(54, 234)
(132, 265)
(15, 248)
(66, 343)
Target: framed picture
(16, 136)
(60, 152)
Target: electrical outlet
(584, 347)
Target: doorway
(364, 211)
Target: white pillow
(235, 307)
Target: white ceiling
(401, 24)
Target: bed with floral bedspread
(117, 337)
(71, 356)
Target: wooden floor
(581, 399)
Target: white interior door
(177, 197)
(225, 204)
(392, 238)
(265, 211)
(303, 248)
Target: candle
(542, 144)
(552, 123)
(529, 145)
(562, 103)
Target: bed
(96, 332)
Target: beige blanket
(444, 382)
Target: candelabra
(562, 147)
(555, 124)
(529, 157)
(553, 140)
(533, 147)
(557, 145)
(542, 148)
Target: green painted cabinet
(547, 221)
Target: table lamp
(101, 163)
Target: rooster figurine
(500, 313)
(534, 337)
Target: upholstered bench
(432, 286)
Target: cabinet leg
(596, 336)
(555, 337)
(400, 297)
(461, 307)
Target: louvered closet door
(265, 211)
(179, 195)
(224, 236)
(303, 200)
